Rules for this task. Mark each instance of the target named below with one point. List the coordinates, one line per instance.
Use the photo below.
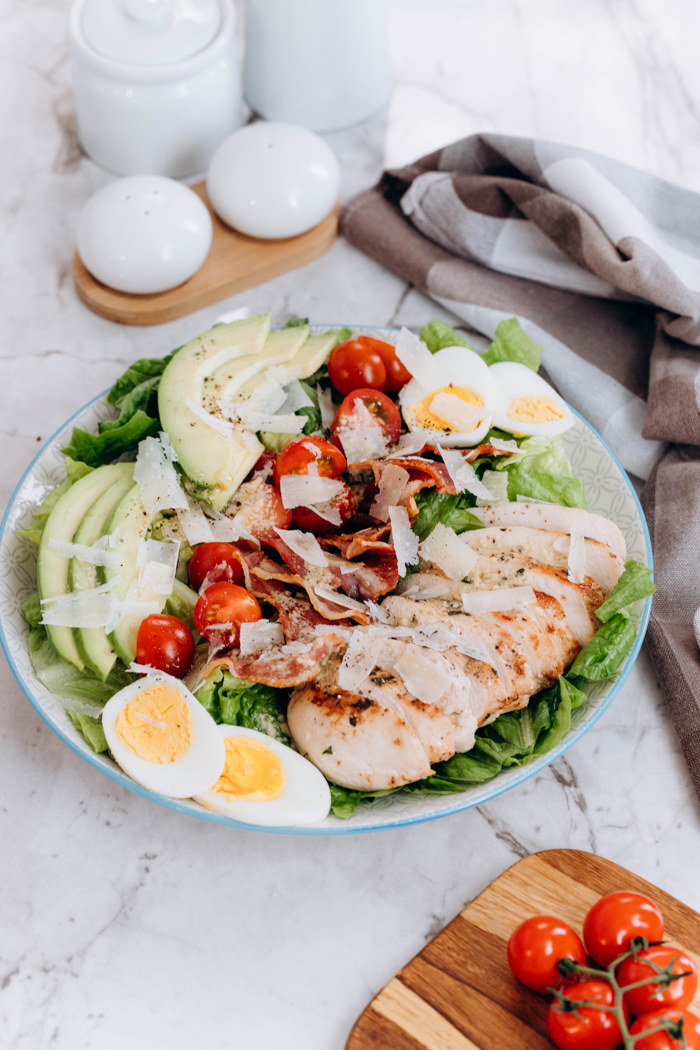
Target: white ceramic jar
(157, 83)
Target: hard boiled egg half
(265, 782)
(455, 405)
(163, 738)
(526, 404)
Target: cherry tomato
(214, 562)
(265, 512)
(588, 1028)
(351, 417)
(298, 455)
(662, 1040)
(354, 364)
(166, 643)
(264, 466)
(308, 521)
(535, 948)
(225, 603)
(678, 994)
(614, 920)
(397, 375)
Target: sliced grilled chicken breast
(559, 519)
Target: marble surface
(123, 924)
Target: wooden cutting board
(235, 262)
(458, 992)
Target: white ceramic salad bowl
(609, 492)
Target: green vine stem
(664, 976)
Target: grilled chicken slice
(559, 519)
(549, 548)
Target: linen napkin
(600, 262)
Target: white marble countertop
(125, 924)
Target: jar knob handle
(149, 10)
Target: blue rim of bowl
(461, 802)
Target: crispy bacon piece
(297, 616)
(367, 579)
(352, 545)
(266, 569)
(276, 668)
(422, 474)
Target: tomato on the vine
(354, 364)
(588, 1028)
(214, 562)
(661, 1040)
(366, 408)
(654, 996)
(166, 643)
(537, 945)
(306, 519)
(222, 609)
(615, 919)
(298, 455)
(397, 375)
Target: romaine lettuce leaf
(92, 730)
(511, 343)
(344, 801)
(238, 703)
(436, 508)
(437, 334)
(553, 488)
(545, 455)
(608, 647)
(31, 609)
(67, 681)
(296, 322)
(634, 584)
(75, 471)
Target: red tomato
(264, 513)
(213, 562)
(306, 519)
(225, 603)
(397, 375)
(298, 455)
(166, 643)
(263, 467)
(535, 948)
(614, 920)
(355, 364)
(678, 994)
(385, 413)
(662, 1040)
(588, 1028)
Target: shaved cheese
(75, 596)
(365, 440)
(326, 628)
(460, 415)
(339, 598)
(275, 424)
(87, 609)
(151, 721)
(132, 607)
(305, 545)
(377, 611)
(258, 636)
(504, 446)
(222, 427)
(250, 441)
(415, 356)
(577, 556)
(142, 668)
(93, 554)
(330, 512)
(463, 474)
(194, 523)
(449, 552)
(502, 600)
(496, 482)
(403, 538)
(424, 679)
(382, 630)
(229, 530)
(302, 490)
(359, 660)
(156, 563)
(295, 648)
(156, 476)
(392, 482)
(296, 398)
(328, 409)
(423, 591)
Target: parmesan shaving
(329, 512)
(496, 482)
(296, 398)
(392, 482)
(360, 658)
(75, 596)
(328, 409)
(275, 424)
(463, 474)
(501, 600)
(222, 427)
(415, 356)
(258, 636)
(577, 556)
(403, 538)
(377, 612)
(338, 598)
(229, 530)
(156, 563)
(194, 523)
(458, 414)
(365, 440)
(142, 668)
(151, 721)
(504, 446)
(305, 545)
(86, 609)
(420, 591)
(424, 679)
(303, 490)
(444, 548)
(156, 476)
(93, 554)
(326, 628)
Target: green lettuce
(437, 334)
(92, 730)
(545, 455)
(511, 343)
(344, 801)
(75, 471)
(606, 650)
(634, 584)
(553, 488)
(238, 703)
(297, 322)
(436, 508)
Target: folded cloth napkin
(600, 262)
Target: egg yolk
(252, 772)
(431, 421)
(534, 409)
(156, 725)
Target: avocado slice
(92, 642)
(52, 566)
(281, 348)
(216, 464)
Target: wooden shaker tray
(458, 992)
(235, 262)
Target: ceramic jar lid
(150, 32)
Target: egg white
(453, 366)
(200, 767)
(305, 798)
(513, 380)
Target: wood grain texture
(458, 993)
(235, 262)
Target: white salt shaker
(157, 83)
(323, 64)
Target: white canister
(320, 63)
(157, 83)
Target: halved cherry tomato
(615, 919)
(298, 455)
(382, 412)
(651, 997)
(588, 1028)
(262, 514)
(354, 364)
(263, 467)
(225, 603)
(166, 643)
(214, 562)
(535, 948)
(306, 519)
(662, 1040)
(397, 375)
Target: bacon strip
(352, 545)
(297, 616)
(279, 669)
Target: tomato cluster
(622, 934)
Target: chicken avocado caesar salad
(298, 572)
